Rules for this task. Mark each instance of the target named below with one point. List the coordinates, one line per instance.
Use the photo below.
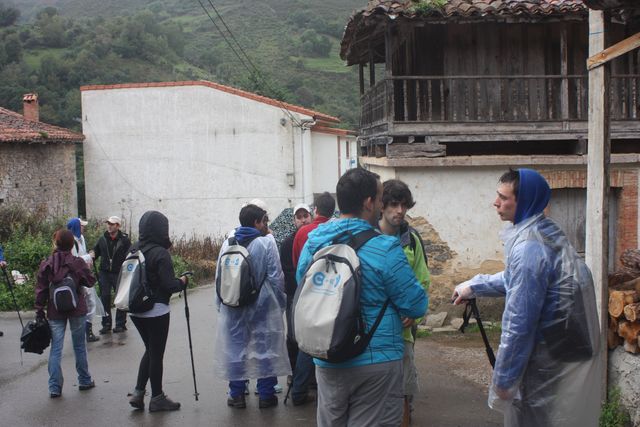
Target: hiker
(396, 201)
(304, 374)
(153, 325)
(53, 270)
(547, 371)
(301, 216)
(367, 389)
(76, 226)
(112, 248)
(250, 339)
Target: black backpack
(64, 294)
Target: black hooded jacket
(154, 243)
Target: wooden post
(361, 77)
(372, 69)
(597, 221)
(564, 68)
(389, 103)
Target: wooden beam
(372, 70)
(564, 70)
(618, 49)
(361, 77)
(599, 158)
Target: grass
(33, 57)
(613, 413)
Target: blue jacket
(1, 254)
(386, 274)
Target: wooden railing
(523, 98)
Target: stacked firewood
(624, 304)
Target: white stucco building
(197, 151)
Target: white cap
(83, 222)
(301, 206)
(114, 220)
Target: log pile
(624, 304)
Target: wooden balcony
(497, 106)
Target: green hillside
(55, 46)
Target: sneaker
(89, 386)
(119, 329)
(91, 337)
(105, 330)
(302, 400)
(237, 402)
(163, 403)
(55, 394)
(268, 403)
(137, 399)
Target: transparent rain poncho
(250, 340)
(548, 367)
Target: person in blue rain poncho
(250, 342)
(548, 368)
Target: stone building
(37, 162)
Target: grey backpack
(235, 284)
(327, 318)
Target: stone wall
(624, 373)
(39, 177)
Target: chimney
(31, 109)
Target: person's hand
(503, 394)
(93, 254)
(185, 280)
(407, 322)
(462, 292)
(40, 315)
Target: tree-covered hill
(54, 46)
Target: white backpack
(327, 319)
(235, 284)
(134, 293)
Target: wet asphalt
(445, 400)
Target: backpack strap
(378, 319)
(359, 239)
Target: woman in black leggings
(153, 325)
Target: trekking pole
(186, 313)
(472, 309)
(15, 303)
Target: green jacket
(412, 246)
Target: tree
(13, 48)
(8, 15)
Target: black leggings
(154, 332)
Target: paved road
(24, 401)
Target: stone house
(37, 162)
(198, 150)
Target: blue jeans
(58, 327)
(301, 376)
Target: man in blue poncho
(547, 370)
(250, 342)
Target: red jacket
(301, 237)
(54, 269)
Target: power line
(256, 72)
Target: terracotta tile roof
(250, 95)
(377, 11)
(15, 128)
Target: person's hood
(338, 230)
(245, 234)
(154, 228)
(74, 226)
(533, 195)
(56, 262)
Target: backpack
(326, 315)
(235, 284)
(64, 294)
(411, 237)
(134, 293)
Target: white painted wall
(192, 152)
(326, 168)
(458, 202)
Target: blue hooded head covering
(74, 226)
(533, 194)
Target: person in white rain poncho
(548, 368)
(250, 342)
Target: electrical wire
(252, 69)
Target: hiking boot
(90, 336)
(105, 330)
(163, 403)
(301, 400)
(119, 329)
(268, 402)
(137, 399)
(89, 386)
(237, 402)
(55, 394)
